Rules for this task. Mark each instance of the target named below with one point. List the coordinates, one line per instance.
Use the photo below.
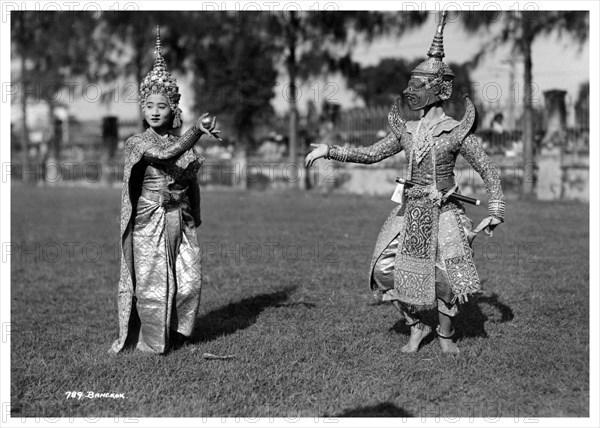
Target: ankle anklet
(445, 335)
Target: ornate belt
(421, 191)
(441, 185)
(165, 197)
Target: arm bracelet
(337, 153)
(496, 208)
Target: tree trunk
(293, 125)
(138, 56)
(528, 159)
(52, 169)
(54, 139)
(24, 127)
(110, 138)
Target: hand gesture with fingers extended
(319, 151)
(463, 298)
(207, 125)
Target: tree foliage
(234, 70)
(124, 42)
(317, 43)
(54, 46)
(519, 29)
(234, 57)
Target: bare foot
(446, 343)
(418, 332)
(448, 346)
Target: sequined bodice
(174, 173)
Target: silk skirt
(168, 272)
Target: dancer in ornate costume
(161, 275)
(423, 258)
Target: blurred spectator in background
(497, 123)
(498, 136)
(273, 148)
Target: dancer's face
(417, 95)
(157, 111)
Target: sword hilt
(454, 195)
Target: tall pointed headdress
(160, 81)
(433, 68)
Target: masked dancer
(423, 261)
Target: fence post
(550, 174)
(52, 170)
(110, 137)
(556, 119)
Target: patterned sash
(415, 261)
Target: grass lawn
(285, 291)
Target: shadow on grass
(470, 321)
(237, 316)
(307, 305)
(386, 409)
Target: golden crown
(434, 66)
(160, 81)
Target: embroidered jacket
(447, 139)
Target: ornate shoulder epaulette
(468, 123)
(397, 124)
(133, 140)
(136, 145)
